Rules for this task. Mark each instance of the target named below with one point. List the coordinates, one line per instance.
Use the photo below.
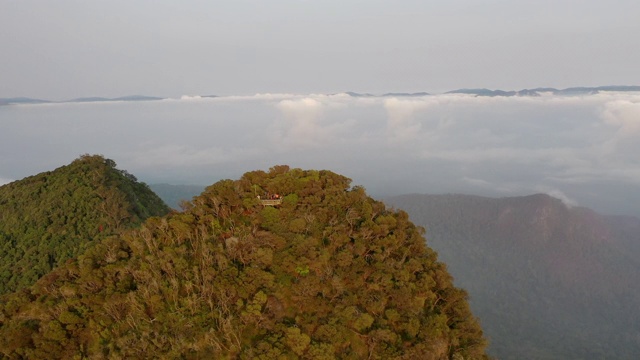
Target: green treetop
(54, 216)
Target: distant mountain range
(355, 94)
(123, 98)
(524, 92)
(540, 91)
(21, 100)
(546, 280)
(25, 100)
(573, 91)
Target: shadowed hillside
(328, 273)
(546, 280)
(54, 216)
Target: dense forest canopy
(54, 216)
(329, 273)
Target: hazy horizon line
(459, 91)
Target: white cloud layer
(402, 123)
(582, 149)
(624, 116)
(301, 122)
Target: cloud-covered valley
(582, 149)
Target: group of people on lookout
(269, 196)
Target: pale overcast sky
(64, 49)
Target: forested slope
(548, 281)
(330, 273)
(54, 216)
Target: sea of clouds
(582, 149)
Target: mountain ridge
(536, 92)
(48, 218)
(327, 273)
(538, 270)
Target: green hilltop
(54, 216)
(329, 273)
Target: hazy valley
(547, 281)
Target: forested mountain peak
(328, 273)
(48, 218)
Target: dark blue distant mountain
(527, 92)
(483, 92)
(537, 91)
(122, 98)
(355, 94)
(22, 100)
(137, 98)
(595, 90)
(577, 91)
(89, 99)
(406, 94)
(572, 91)
(618, 88)
(25, 100)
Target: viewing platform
(271, 202)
